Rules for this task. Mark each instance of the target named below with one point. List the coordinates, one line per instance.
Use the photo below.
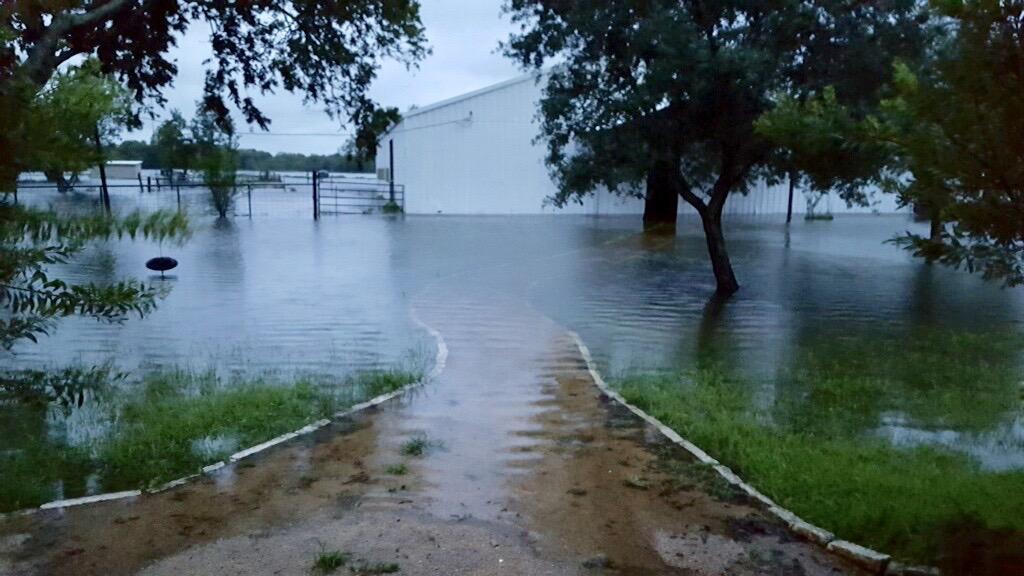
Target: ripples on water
(284, 293)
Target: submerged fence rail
(290, 196)
(349, 196)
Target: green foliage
(58, 127)
(415, 446)
(215, 145)
(391, 208)
(32, 241)
(172, 147)
(397, 469)
(65, 389)
(158, 431)
(329, 51)
(947, 140)
(810, 446)
(170, 425)
(328, 562)
(376, 382)
(371, 123)
(828, 145)
(643, 85)
(29, 473)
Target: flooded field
(284, 294)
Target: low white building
(477, 154)
(119, 170)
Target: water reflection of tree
(712, 347)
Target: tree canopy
(215, 147)
(948, 140)
(327, 50)
(678, 87)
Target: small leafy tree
(174, 150)
(59, 127)
(949, 141)
(216, 151)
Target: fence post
(248, 192)
(391, 170)
(104, 192)
(140, 182)
(316, 195)
(789, 206)
(177, 192)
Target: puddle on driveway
(527, 471)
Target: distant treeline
(249, 159)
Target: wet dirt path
(527, 470)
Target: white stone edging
(866, 558)
(440, 360)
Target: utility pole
(104, 191)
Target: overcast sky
(463, 35)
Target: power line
(318, 134)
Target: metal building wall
(475, 154)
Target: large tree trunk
(8, 182)
(710, 212)
(935, 231)
(10, 115)
(725, 279)
(661, 202)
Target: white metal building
(119, 170)
(476, 154)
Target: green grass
(174, 423)
(811, 448)
(416, 446)
(29, 475)
(397, 469)
(158, 431)
(329, 562)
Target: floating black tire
(161, 264)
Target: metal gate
(357, 196)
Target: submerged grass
(365, 568)
(175, 423)
(813, 449)
(415, 446)
(397, 470)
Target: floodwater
(528, 471)
(286, 294)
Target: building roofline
(472, 94)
